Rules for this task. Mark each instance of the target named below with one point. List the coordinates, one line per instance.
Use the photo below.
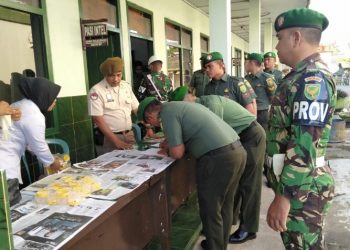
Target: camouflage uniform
(160, 80)
(234, 88)
(299, 127)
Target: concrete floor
(337, 230)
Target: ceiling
(270, 9)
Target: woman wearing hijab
(39, 98)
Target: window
(141, 40)
(179, 54)
(24, 36)
(204, 44)
(237, 63)
(140, 23)
(34, 3)
(100, 9)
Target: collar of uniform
(223, 78)
(269, 71)
(156, 73)
(107, 86)
(310, 59)
(257, 75)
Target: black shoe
(241, 236)
(204, 244)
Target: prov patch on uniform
(311, 101)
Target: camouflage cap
(111, 65)
(143, 105)
(255, 56)
(270, 54)
(301, 17)
(178, 94)
(213, 56)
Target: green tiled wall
(75, 127)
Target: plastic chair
(26, 167)
(137, 133)
(59, 142)
(54, 141)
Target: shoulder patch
(312, 91)
(271, 86)
(242, 87)
(311, 102)
(93, 96)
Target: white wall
(15, 47)
(66, 46)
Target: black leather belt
(230, 146)
(253, 124)
(122, 132)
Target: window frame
(148, 12)
(39, 11)
(179, 46)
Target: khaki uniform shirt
(113, 103)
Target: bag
(98, 137)
(13, 190)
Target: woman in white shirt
(39, 97)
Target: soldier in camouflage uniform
(300, 122)
(269, 63)
(156, 83)
(235, 88)
(263, 84)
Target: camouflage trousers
(306, 219)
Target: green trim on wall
(14, 16)
(22, 7)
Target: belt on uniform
(253, 124)
(122, 132)
(230, 146)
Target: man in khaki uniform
(110, 104)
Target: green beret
(255, 56)
(301, 17)
(270, 54)
(143, 105)
(178, 94)
(212, 56)
(111, 65)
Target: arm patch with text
(311, 101)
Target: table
(136, 218)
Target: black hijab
(40, 90)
